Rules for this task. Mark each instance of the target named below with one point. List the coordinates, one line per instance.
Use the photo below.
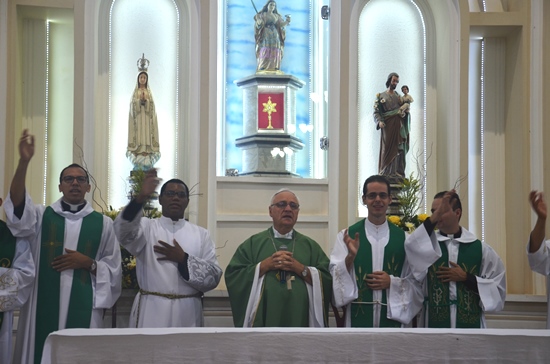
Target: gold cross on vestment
(51, 246)
(289, 282)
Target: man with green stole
(279, 277)
(463, 277)
(16, 278)
(371, 278)
(76, 254)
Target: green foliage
(409, 198)
(136, 180)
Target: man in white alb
(175, 259)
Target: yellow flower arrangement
(112, 213)
(394, 219)
(409, 200)
(132, 263)
(129, 275)
(422, 217)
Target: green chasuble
(394, 257)
(278, 306)
(468, 313)
(7, 251)
(81, 298)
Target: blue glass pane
(241, 62)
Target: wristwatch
(304, 272)
(93, 266)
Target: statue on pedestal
(270, 34)
(394, 138)
(143, 141)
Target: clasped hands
(282, 260)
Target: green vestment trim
(81, 298)
(394, 257)
(468, 313)
(7, 251)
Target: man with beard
(394, 137)
(175, 259)
(370, 271)
(77, 257)
(279, 277)
(463, 277)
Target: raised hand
(352, 244)
(17, 186)
(26, 146)
(445, 206)
(537, 234)
(149, 185)
(353, 248)
(538, 204)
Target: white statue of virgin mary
(143, 137)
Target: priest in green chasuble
(372, 280)
(463, 276)
(76, 255)
(279, 277)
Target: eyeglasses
(284, 204)
(70, 179)
(382, 195)
(171, 194)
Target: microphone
(282, 273)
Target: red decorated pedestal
(269, 125)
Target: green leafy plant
(409, 198)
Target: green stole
(468, 313)
(7, 251)
(394, 257)
(81, 298)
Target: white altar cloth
(296, 345)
